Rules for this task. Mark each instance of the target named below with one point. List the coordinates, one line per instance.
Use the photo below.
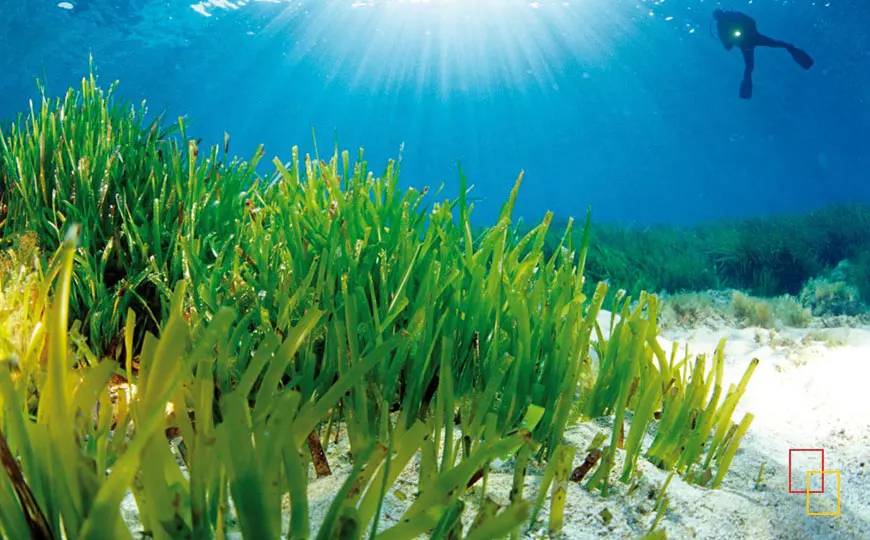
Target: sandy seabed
(804, 394)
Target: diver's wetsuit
(735, 28)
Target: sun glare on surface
(442, 46)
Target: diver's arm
(725, 35)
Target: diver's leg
(763, 41)
(748, 66)
(800, 56)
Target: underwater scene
(448, 269)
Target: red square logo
(802, 474)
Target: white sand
(803, 394)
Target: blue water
(629, 106)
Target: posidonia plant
(142, 196)
(323, 298)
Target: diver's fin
(801, 57)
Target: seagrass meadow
(155, 290)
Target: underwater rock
(832, 294)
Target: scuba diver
(735, 28)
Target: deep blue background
(628, 106)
